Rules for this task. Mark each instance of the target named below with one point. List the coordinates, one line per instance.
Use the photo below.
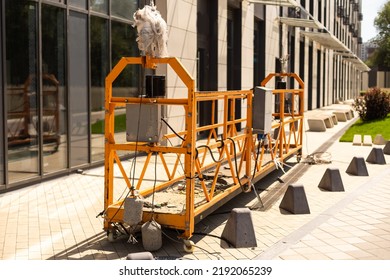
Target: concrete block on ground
(140, 256)
(357, 140)
(151, 236)
(327, 120)
(357, 167)
(367, 140)
(331, 181)
(317, 125)
(376, 156)
(379, 140)
(341, 116)
(239, 229)
(334, 119)
(386, 149)
(294, 200)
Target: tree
(381, 56)
(375, 104)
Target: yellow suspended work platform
(196, 177)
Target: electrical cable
(154, 185)
(235, 161)
(306, 142)
(155, 172)
(211, 153)
(272, 148)
(196, 149)
(259, 145)
(176, 241)
(312, 158)
(319, 158)
(215, 236)
(170, 127)
(181, 164)
(257, 157)
(136, 143)
(134, 160)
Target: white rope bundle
(152, 31)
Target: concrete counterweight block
(331, 181)
(379, 140)
(151, 236)
(295, 201)
(239, 229)
(386, 149)
(140, 256)
(357, 167)
(376, 156)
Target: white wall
(247, 53)
(181, 16)
(271, 39)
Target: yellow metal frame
(234, 148)
(293, 119)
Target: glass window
(124, 45)
(78, 88)
(124, 8)
(78, 3)
(99, 70)
(127, 83)
(2, 120)
(58, 1)
(21, 90)
(100, 6)
(54, 128)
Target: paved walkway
(57, 219)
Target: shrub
(375, 104)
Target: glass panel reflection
(53, 89)
(78, 88)
(2, 120)
(78, 3)
(21, 90)
(123, 45)
(127, 83)
(100, 6)
(99, 71)
(124, 8)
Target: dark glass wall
(2, 118)
(259, 52)
(234, 48)
(78, 88)
(319, 78)
(234, 55)
(123, 8)
(311, 78)
(127, 83)
(54, 93)
(21, 89)
(99, 70)
(55, 56)
(99, 6)
(207, 41)
(78, 3)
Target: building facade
(368, 48)
(55, 55)
(377, 76)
